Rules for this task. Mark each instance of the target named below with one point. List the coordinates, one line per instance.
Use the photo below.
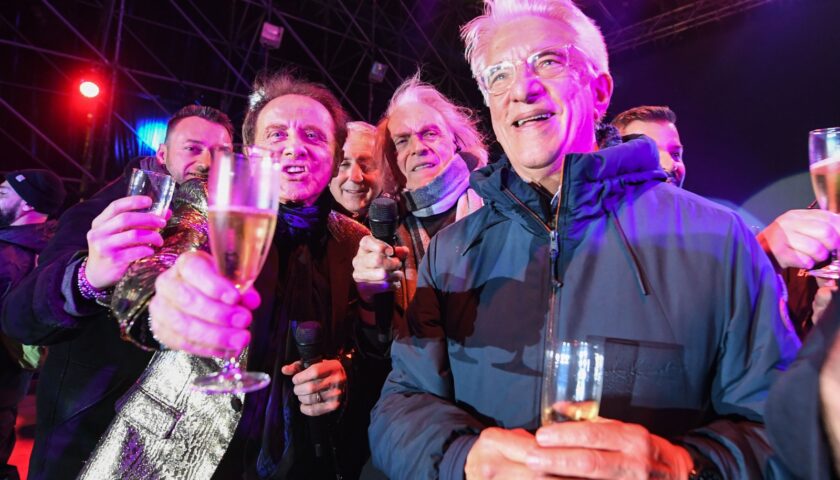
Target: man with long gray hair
(428, 146)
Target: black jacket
(794, 419)
(675, 286)
(344, 337)
(88, 367)
(19, 248)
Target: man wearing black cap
(27, 198)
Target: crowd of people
(701, 320)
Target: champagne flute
(572, 382)
(824, 157)
(242, 213)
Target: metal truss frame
(352, 34)
(675, 21)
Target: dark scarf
(298, 222)
(303, 290)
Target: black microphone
(308, 341)
(383, 225)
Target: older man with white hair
(358, 178)
(428, 146)
(575, 243)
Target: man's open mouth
(532, 119)
(422, 166)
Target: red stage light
(89, 89)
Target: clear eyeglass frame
(548, 63)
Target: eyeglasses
(550, 63)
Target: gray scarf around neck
(442, 192)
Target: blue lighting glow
(150, 134)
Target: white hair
(461, 121)
(476, 34)
(362, 128)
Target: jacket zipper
(555, 284)
(554, 244)
(525, 207)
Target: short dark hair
(201, 111)
(645, 113)
(269, 86)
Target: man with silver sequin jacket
(89, 366)
(196, 316)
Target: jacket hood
(31, 237)
(592, 183)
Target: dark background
(746, 87)
(746, 93)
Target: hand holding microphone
(318, 383)
(377, 267)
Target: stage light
(151, 132)
(377, 72)
(89, 89)
(271, 36)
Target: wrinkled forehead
(515, 39)
(414, 116)
(362, 137)
(293, 109)
(200, 130)
(359, 143)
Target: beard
(7, 217)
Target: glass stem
(232, 362)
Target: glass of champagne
(572, 382)
(242, 212)
(824, 156)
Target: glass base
(831, 271)
(231, 381)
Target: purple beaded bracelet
(87, 290)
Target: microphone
(308, 341)
(383, 225)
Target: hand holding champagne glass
(572, 382)
(242, 212)
(127, 230)
(157, 186)
(824, 157)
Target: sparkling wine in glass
(572, 382)
(824, 156)
(242, 213)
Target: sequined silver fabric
(165, 430)
(185, 231)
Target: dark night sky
(746, 93)
(746, 89)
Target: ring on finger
(318, 398)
